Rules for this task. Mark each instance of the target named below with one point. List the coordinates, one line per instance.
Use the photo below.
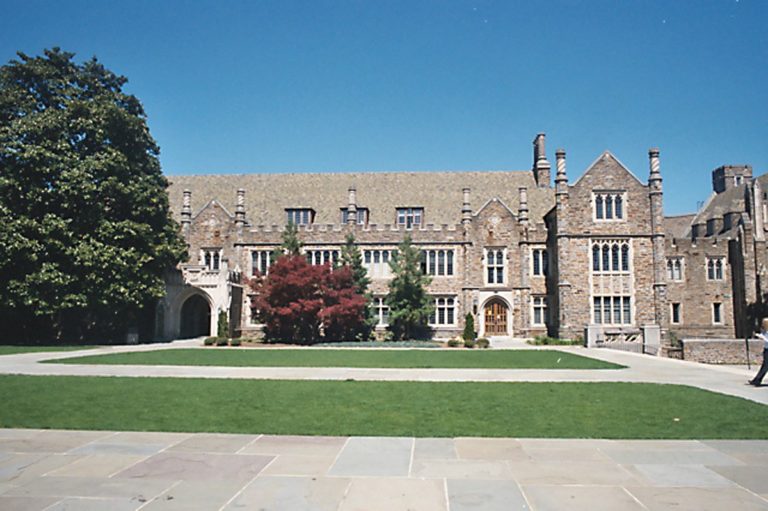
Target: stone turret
(466, 210)
(541, 167)
(351, 205)
(655, 193)
(522, 213)
(186, 213)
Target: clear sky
(313, 86)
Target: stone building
(595, 257)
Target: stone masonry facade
(522, 255)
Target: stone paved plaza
(90, 470)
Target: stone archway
(195, 317)
(496, 318)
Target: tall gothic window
(494, 266)
(675, 269)
(610, 256)
(715, 268)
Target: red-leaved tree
(302, 303)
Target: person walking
(763, 335)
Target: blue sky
(284, 86)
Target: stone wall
(722, 351)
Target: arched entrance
(496, 318)
(195, 317)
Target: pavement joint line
(344, 495)
(445, 494)
(632, 496)
(410, 459)
(240, 450)
(154, 499)
(241, 490)
(107, 434)
(338, 454)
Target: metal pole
(746, 343)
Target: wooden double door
(496, 318)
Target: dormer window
(362, 216)
(300, 216)
(410, 217)
(710, 227)
(609, 206)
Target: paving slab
(291, 493)
(461, 469)
(213, 442)
(378, 494)
(289, 464)
(490, 449)
(670, 456)
(580, 498)
(99, 465)
(374, 456)
(27, 466)
(698, 499)
(125, 448)
(485, 495)
(697, 476)
(193, 496)
(57, 486)
(571, 472)
(95, 504)
(26, 503)
(434, 449)
(753, 478)
(198, 467)
(51, 441)
(299, 445)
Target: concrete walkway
(640, 368)
(87, 470)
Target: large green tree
(352, 258)
(409, 304)
(86, 234)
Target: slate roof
(678, 226)
(439, 193)
(718, 204)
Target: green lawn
(12, 350)
(568, 410)
(485, 359)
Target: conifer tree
(291, 245)
(409, 304)
(352, 258)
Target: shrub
(543, 340)
(454, 343)
(209, 341)
(469, 328)
(469, 343)
(235, 342)
(222, 341)
(483, 343)
(223, 326)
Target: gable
(609, 172)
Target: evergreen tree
(291, 245)
(409, 304)
(86, 234)
(353, 259)
(469, 328)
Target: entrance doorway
(496, 318)
(195, 317)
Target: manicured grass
(568, 410)
(12, 350)
(486, 359)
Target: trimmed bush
(483, 343)
(469, 343)
(469, 328)
(235, 342)
(454, 343)
(543, 340)
(222, 341)
(209, 341)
